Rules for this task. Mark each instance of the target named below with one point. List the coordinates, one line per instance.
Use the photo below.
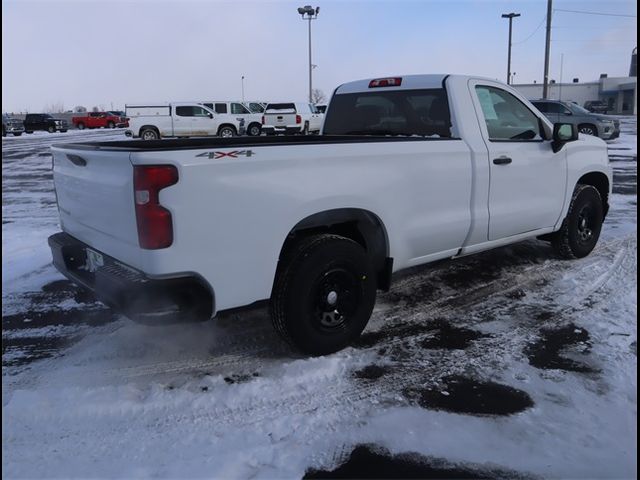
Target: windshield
(578, 109)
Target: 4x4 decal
(232, 154)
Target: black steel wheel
(581, 227)
(324, 294)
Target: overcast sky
(110, 53)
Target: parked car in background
(11, 125)
(291, 118)
(597, 106)
(589, 123)
(184, 119)
(44, 121)
(99, 120)
(236, 111)
(321, 108)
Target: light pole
(242, 88)
(510, 16)
(309, 13)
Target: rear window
(398, 112)
(281, 108)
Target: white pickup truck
(408, 170)
(183, 119)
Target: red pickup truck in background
(100, 119)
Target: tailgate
(95, 197)
(280, 118)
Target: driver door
(527, 180)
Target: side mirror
(211, 115)
(563, 133)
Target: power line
(595, 13)
(534, 32)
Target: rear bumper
(130, 291)
(272, 130)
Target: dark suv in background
(607, 128)
(596, 106)
(44, 121)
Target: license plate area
(95, 260)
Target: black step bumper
(128, 290)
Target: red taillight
(298, 119)
(386, 82)
(155, 227)
(263, 119)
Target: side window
(507, 118)
(542, 106)
(199, 112)
(238, 109)
(184, 111)
(221, 108)
(209, 105)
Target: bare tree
(57, 107)
(317, 96)
(79, 109)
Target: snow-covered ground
(510, 363)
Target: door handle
(502, 161)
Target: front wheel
(17, 134)
(81, 126)
(324, 294)
(111, 125)
(51, 129)
(581, 227)
(588, 130)
(226, 132)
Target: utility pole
(510, 16)
(242, 88)
(309, 13)
(547, 50)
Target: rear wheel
(149, 134)
(324, 294)
(254, 130)
(51, 129)
(111, 125)
(581, 227)
(17, 134)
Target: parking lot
(510, 363)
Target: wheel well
(146, 127)
(227, 125)
(361, 226)
(601, 182)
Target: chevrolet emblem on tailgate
(233, 154)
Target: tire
(111, 125)
(588, 130)
(28, 131)
(254, 130)
(581, 227)
(51, 129)
(226, 132)
(149, 134)
(16, 134)
(323, 295)
(81, 126)
(305, 130)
